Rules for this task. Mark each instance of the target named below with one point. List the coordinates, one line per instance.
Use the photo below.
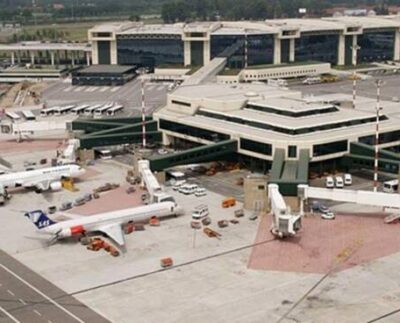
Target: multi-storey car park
(249, 43)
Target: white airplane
(109, 223)
(41, 179)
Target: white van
(339, 182)
(201, 191)
(329, 183)
(391, 186)
(200, 212)
(188, 189)
(348, 179)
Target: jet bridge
(385, 200)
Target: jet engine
(69, 232)
(55, 186)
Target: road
(27, 297)
(366, 88)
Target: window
(193, 131)
(255, 146)
(330, 148)
(292, 151)
(384, 138)
(186, 104)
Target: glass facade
(260, 49)
(103, 48)
(384, 137)
(231, 46)
(285, 50)
(375, 46)
(150, 51)
(255, 146)
(197, 53)
(323, 48)
(330, 148)
(193, 131)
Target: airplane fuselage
(50, 174)
(96, 222)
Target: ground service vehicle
(329, 183)
(200, 212)
(228, 202)
(391, 186)
(339, 182)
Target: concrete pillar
(291, 50)
(73, 58)
(187, 55)
(277, 50)
(341, 50)
(18, 57)
(52, 58)
(396, 54)
(206, 52)
(95, 53)
(88, 58)
(113, 52)
(12, 58)
(33, 58)
(354, 51)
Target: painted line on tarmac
(42, 294)
(9, 315)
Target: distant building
(249, 43)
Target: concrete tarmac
(27, 297)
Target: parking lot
(129, 95)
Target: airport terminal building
(266, 123)
(248, 43)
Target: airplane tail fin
(39, 219)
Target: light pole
(378, 109)
(245, 49)
(142, 71)
(354, 63)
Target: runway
(27, 297)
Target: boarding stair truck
(284, 222)
(156, 193)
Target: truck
(156, 193)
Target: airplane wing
(42, 185)
(114, 232)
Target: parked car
(201, 191)
(328, 215)
(348, 179)
(329, 183)
(87, 197)
(339, 182)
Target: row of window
(193, 131)
(384, 138)
(299, 131)
(255, 146)
(330, 148)
(293, 114)
(284, 74)
(186, 104)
